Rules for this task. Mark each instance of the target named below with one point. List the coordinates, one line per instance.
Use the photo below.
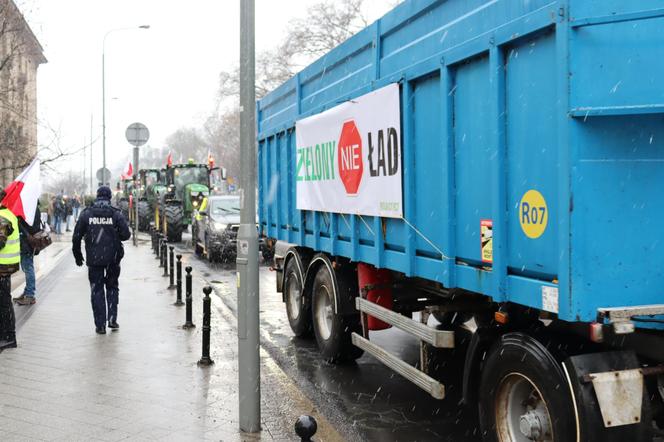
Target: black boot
(113, 325)
(101, 330)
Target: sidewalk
(64, 382)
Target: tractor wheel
(143, 216)
(173, 220)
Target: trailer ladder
(437, 338)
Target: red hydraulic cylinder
(377, 284)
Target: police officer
(10, 257)
(104, 228)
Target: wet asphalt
(364, 400)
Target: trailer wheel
(298, 306)
(523, 394)
(333, 331)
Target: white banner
(348, 158)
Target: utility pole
(92, 189)
(247, 238)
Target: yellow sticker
(533, 214)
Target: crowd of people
(62, 210)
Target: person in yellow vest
(10, 257)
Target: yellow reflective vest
(200, 209)
(10, 254)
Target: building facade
(20, 57)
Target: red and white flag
(23, 193)
(169, 159)
(130, 171)
(210, 160)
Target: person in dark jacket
(69, 212)
(103, 227)
(27, 258)
(59, 213)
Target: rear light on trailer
(596, 332)
(501, 317)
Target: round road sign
(103, 175)
(137, 134)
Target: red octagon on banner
(349, 157)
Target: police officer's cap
(104, 192)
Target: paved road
(365, 400)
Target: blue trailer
(530, 158)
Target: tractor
(152, 186)
(125, 190)
(186, 187)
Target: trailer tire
(523, 388)
(298, 305)
(333, 330)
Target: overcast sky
(165, 77)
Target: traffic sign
(103, 175)
(137, 134)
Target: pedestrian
(103, 228)
(77, 206)
(10, 256)
(69, 209)
(59, 213)
(27, 258)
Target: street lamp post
(103, 91)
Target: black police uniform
(104, 228)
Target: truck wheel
(173, 219)
(523, 394)
(298, 306)
(333, 331)
(143, 216)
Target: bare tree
(20, 53)
(69, 184)
(222, 134)
(327, 24)
(186, 143)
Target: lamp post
(103, 90)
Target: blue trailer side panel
(511, 109)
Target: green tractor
(152, 186)
(186, 187)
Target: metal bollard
(179, 280)
(188, 298)
(161, 252)
(171, 268)
(306, 427)
(205, 359)
(157, 244)
(164, 253)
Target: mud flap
(591, 424)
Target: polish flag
(210, 160)
(169, 159)
(23, 193)
(130, 170)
